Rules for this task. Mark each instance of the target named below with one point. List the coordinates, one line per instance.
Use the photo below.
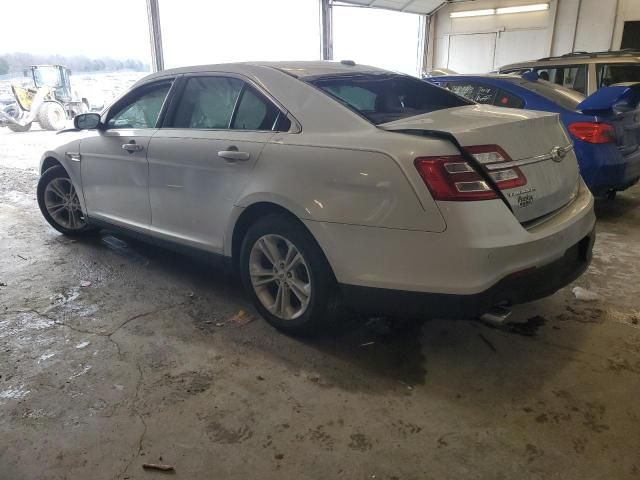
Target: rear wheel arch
(252, 214)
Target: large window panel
(196, 32)
(381, 38)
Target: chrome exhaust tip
(496, 316)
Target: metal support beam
(155, 35)
(423, 32)
(326, 29)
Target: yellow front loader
(48, 101)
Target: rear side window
(611, 74)
(141, 108)
(385, 97)
(358, 97)
(573, 77)
(508, 100)
(207, 102)
(254, 112)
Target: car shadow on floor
(626, 205)
(364, 354)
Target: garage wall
(569, 25)
(457, 40)
(628, 10)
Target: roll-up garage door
(472, 53)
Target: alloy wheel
(62, 203)
(280, 276)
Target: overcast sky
(115, 28)
(210, 31)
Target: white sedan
(332, 183)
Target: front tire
(59, 203)
(287, 275)
(52, 116)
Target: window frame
(138, 91)
(587, 73)
(601, 65)
(181, 86)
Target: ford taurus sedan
(328, 184)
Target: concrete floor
(160, 359)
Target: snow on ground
(23, 150)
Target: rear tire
(52, 116)
(59, 203)
(287, 276)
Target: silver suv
(582, 71)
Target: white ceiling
(409, 6)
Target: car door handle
(132, 147)
(234, 155)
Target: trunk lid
(535, 142)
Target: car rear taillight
(453, 178)
(492, 157)
(593, 132)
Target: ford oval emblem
(558, 154)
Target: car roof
(299, 69)
(578, 58)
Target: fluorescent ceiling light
(537, 7)
(473, 13)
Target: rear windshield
(564, 97)
(383, 98)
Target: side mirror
(86, 121)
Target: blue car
(604, 127)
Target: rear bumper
(514, 289)
(482, 244)
(605, 169)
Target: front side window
(207, 102)
(384, 97)
(141, 109)
(611, 74)
(46, 76)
